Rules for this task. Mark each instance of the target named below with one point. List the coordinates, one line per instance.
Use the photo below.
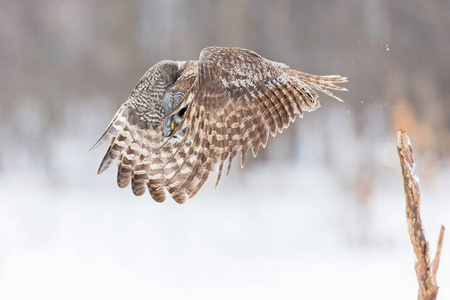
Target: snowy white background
(270, 230)
(318, 215)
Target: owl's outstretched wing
(239, 98)
(137, 142)
(133, 145)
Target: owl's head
(156, 81)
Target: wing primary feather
(274, 112)
(298, 98)
(118, 145)
(107, 159)
(247, 134)
(224, 148)
(288, 99)
(156, 190)
(267, 122)
(139, 178)
(235, 138)
(107, 133)
(268, 117)
(260, 128)
(197, 164)
(205, 164)
(284, 119)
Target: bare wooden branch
(426, 272)
(437, 257)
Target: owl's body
(184, 119)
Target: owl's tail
(319, 82)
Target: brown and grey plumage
(183, 120)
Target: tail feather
(319, 82)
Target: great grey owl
(184, 119)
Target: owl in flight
(184, 119)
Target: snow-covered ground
(270, 231)
(329, 225)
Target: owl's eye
(182, 111)
(173, 125)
